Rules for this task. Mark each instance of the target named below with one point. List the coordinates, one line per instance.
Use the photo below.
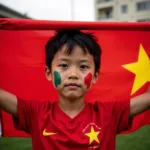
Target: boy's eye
(84, 67)
(63, 65)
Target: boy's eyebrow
(63, 59)
(85, 60)
(82, 60)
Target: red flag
(125, 58)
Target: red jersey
(94, 128)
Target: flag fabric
(124, 69)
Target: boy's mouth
(72, 85)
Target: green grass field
(139, 140)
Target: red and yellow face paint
(88, 80)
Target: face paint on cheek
(57, 78)
(88, 79)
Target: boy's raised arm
(8, 102)
(140, 103)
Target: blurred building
(122, 10)
(6, 12)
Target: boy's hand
(140, 103)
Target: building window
(103, 1)
(107, 0)
(144, 20)
(143, 5)
(124, 9)
(108, 13)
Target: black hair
(71, 38)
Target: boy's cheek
(88, 80)
(57, 79)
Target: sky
(82, 10)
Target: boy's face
(72, 74)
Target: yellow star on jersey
(93, 135)
(141, 69)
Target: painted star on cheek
(57, 78)
(88, 79)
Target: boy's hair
(71, 38)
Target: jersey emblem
(45, 133)
(93, 135)
(92, 131)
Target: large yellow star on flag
(141, 69)
(93, 135)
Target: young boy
(72, 64)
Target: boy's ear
(48, 73)
(95, 78)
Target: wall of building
(123, 10)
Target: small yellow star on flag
(93, 135)
(141, 69)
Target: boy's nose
(73, 74)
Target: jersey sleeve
(121, 110)
(27, 114)
(116, 112)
